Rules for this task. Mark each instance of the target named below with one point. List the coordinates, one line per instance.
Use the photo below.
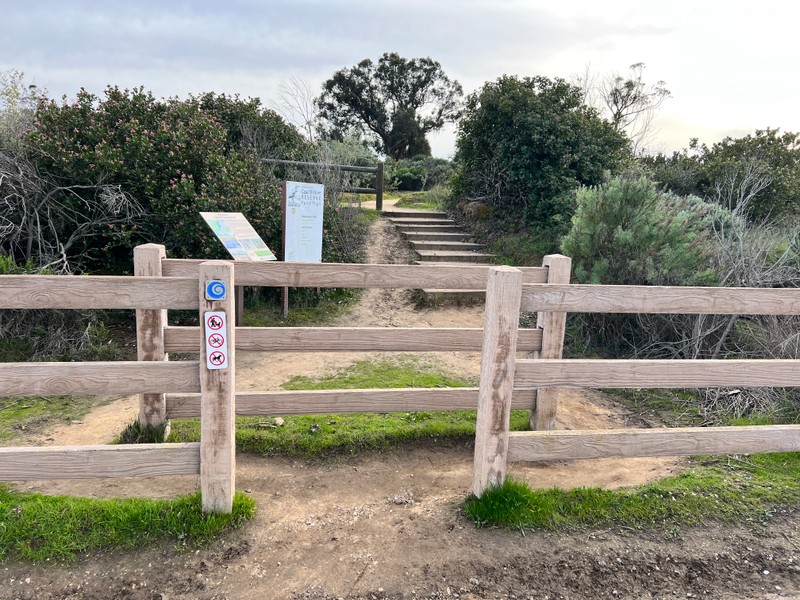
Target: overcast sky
(732, 66)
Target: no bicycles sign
(216, 340)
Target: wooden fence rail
(490, 461)
(349, 339)
(377, 170)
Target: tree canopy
(524, 142)
(393, 104)
(762, 170)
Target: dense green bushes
(523, 143)
(175, 158)
(418, 173)
(627, 232)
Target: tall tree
(393, 104)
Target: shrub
(418, 173)
(176, 158)
(523, 143)
(626, 232)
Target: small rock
(474, 581)
(278, 422)
(315, 428)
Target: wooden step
(452, 256)
(412, 221)
(429, 228)
(414, 214)
(446, 245)
(425, 236)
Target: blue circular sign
(215, 290)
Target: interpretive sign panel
(303, 205)
(238, 236)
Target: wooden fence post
(379, 187)
(217, 387)
(552, 324)
(150, 326)
(500, 328)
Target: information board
(238, 236)
(302, 212)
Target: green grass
(40, 528)
(136, 433)
(316, 436)
(432, 199)
(30, 414)
(731, 489)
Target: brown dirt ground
(389, 525)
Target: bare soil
(389, 525)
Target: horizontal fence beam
(89, 462)
(347, 275)
(349, 339)
(629, 443)
(359, 190)
(98, 378)
(340, 401)
(300, 163)
(660, 299)
(97, 292)
(590, 373)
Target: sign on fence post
(217, 387)
(303, 213)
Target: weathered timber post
(379, 187)
(150, 326)
(500, 327)
(553, 324)
(217, 386)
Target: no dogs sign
(216, 340)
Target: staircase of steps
(436, 238)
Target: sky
(732, 66)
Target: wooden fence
(347, 339)
(150, 295)
(190, 389)
(502, 375)
(378, 170)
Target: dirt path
(389, 526)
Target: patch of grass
(732, 489)
(432, 199)
(30, 414)
(136, 433)
(398, 373)
(40, 528)
(315, 436)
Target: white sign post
(303, 212)
(303, 205)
